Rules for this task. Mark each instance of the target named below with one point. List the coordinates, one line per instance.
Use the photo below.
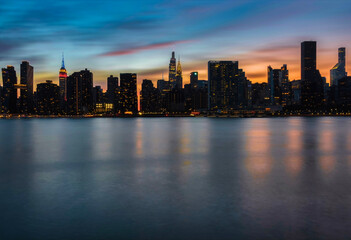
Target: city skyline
(111, 38)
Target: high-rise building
(278, 83)
(338, 71)
(112, 88)
(26, 100)
(227, 86)
(172, 72)
(63, 81)
(179, 76)
(194, 78)
(149, 97)
(9, 95)
(311, 81)
(80, 92)
(128, 101)
(48, 98)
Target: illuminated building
(172, 72)
(227, 86)
(163, 88)
(9, 95)
(48, 98)
(80, 92)
(63, 81)
(194, 78)
(311, 81)
(26, 100)
(338, 71)
(279, 86)
(179, 76)
(296, 92)
(128, 101)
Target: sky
(114, 36)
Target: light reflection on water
(175, 178)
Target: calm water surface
(175, 178)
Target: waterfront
(175, 178)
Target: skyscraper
(149, 97)
(179, 76)
(128, 101)
(9, 79)
(338, 71)
(278, 83)
(172, 72)
(26, 103)
(48, 98)
(63, 81)
(311, 81)
(194, 78)
(227, 86)
(80, 92)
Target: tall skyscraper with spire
(63, 80)
(172, 72)
(179, 75)
(338, 71)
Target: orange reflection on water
(327, 141)
(139, 144)
(293, 160)
(327, 163)
(258, 144)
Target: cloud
(133, 50)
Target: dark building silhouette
(26, 86)
(311, 81)
(128, 101)
(48, 98)
(163, 88)
(296, 92)
(9, 96)
(80, 92)
(194, 78)
(338, 71)
(149, 97)
(172, 72)
(344, 93)
(260, 95)
(227, 86)
(279, 86)
(112, 92)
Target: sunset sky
(110, 37)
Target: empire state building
(63, 80)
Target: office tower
(149, 97)
(163, 88)
(344, 94)
(311, 80)
(227, 86)
(128, 102)
(172, 72)
(48, 98)
(296, 92)
(194, 78)
(98, 95)
(274, 86)
(63, 81)
(112, 88)
(9, 79)
(179, 76)
(338, 71)
(26, 100)
(285, 86)
(80, 92)
(260, 95)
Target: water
(175, 178)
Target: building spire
(63, 61)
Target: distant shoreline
(271, 115)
